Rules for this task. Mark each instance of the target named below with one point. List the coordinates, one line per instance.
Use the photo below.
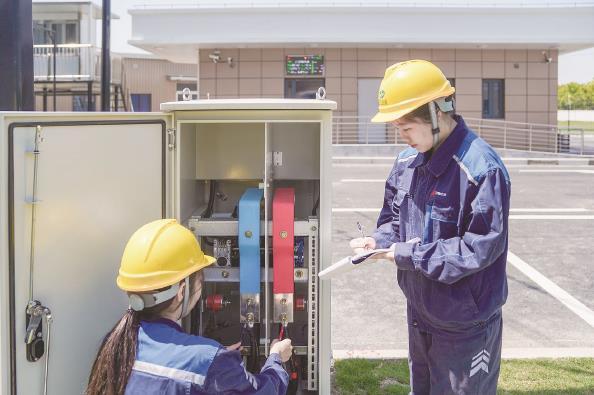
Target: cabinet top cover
(249, 104)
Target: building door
(367, 107)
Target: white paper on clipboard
(351, 262)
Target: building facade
(514, 84)
(502, 57)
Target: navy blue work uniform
(169, 361)
(456, 201)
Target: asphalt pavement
(550, 306)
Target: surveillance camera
(547, 58)
(214, 57)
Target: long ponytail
(117, 354)
(115, 358)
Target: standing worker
(147, 352)
(451, 191)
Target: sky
(577, 66)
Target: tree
(576, 96)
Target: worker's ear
(180, 292)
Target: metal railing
(500, 134)
(73, 62)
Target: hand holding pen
(363, 243)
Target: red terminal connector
(300, 303)
(215, 302)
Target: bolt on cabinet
(249, 177)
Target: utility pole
(568, 108)
(16, 55)
(105, 56)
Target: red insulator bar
(283, 239)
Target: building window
(79, 103)
(493, 99)
(141, 102)
(302, 88)
(193, 87)
(65, 32)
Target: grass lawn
(587, 126)
(567, 376)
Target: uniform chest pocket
(445, 214)
(444, 220)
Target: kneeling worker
(147, 352)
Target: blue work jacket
(169, 361)
(456, 202)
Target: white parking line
(362, 180)
(547, 217)
(355, 210)
(556, 171)
(363, 165)
(513, 216)
(549, 210)
(553, 289)
(560, 159)
(545, 166)
(364, 158)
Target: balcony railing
(74, 62)
(498, 133)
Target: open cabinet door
(98, 178)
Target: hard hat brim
(209, 260)
(383, 117)
(146, 284)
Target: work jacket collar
(438, 162)
(167, 322)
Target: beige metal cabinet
(68, 207)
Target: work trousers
(461, 364)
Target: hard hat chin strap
(444, 106)
(186, 300)
(434, 123)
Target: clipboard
(352, 262)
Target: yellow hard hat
(159, 254)
(407, 86)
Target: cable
(291, 366)
(207, 213)
(315, 207)
(248, 336)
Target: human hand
(387, 255)
(234, 347)
(362, 244)
(283, 348)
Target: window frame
(488, 109)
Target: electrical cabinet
(249, 177)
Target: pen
(360, 228)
